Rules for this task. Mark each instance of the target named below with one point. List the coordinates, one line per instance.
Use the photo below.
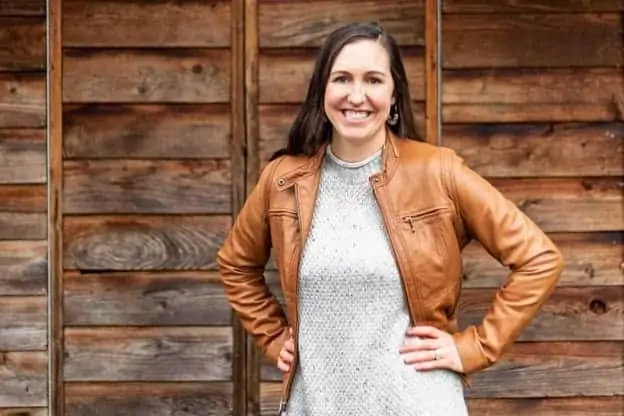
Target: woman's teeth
(356, 115)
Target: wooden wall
(23, 246)
(533, 99)
(162, 114)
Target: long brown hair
(311, 129)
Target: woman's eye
(375, 81)
(341, 79)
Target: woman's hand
(428, 348)
(286, 354)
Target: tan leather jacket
(432, 205)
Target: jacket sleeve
(507, 234)
(242, 260)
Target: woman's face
(359, 93)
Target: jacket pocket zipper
(411, 219)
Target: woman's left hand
(430, 348)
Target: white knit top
(353, 315)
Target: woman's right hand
(286, 354)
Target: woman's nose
(357, 95)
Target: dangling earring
(393, 118)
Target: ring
(436, 355)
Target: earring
(393, 118)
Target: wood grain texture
(24, 411)
(539, 406)
(145, 299)
(275, 121)
(591, 204)
(22, 8)
(591, 259)
(147, 187)
(136, 399)
(23, 198)
(308, 23)
(537, 6)
(22, 226)
(570, 314)
(146, 131)
(433, 74)
(526, 95)
(23, 323)
(24, 157)
(538, 370)
(532, 40)
(23, 40)
(22, 100)
(534, 150)
(23, 379)
(284, 76)
(141, 76)
(106, 243)
(23, 267)
(142, 23)
(148, 354)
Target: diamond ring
(436, 355)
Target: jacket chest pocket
(432, 249)
(284, 228)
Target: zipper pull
(410, 222)
(282, 407)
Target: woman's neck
(356, 151)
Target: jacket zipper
(297, 260)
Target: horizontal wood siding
(23, 209)
(148, 183)
(532, 100)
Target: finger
(283, 366)
(286, 356)
(442, 363)
(420, 345)
(425, 331)
(418, 357)
(289, 345)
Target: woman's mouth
(356, 116)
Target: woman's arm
(512, 238)
(242, 260)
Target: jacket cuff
(470, 352)
(272, 351)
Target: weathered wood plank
(23, 40)
(539, 6)
(23, 157)
(525, 150)
(284, 77)
(24, 411)
(22, 100)
(568, 406)
(23, 323)
(23, 198)
(570, 314)
(23, 267)
(149, 187)
(146, 23)
(275, 122)
(591, 259)
(143, 243)
(538, 370)
(514, 95)
(162, 399)
(22, 8)
(148, 354)
(532, 40)
(172, 75)
(145, 299)
(23, 226)
(146, 131)
(23, 379)
(270, 393)
(544, 201)
(308, 23)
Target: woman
(367, 224)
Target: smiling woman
(367, 224)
